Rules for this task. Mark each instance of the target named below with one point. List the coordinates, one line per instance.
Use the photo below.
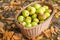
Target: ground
(8, 28)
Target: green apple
(36, 20)
(47, 14)
(46, 7)
(34, 24)
(32, 10)
(41, 21)
(37, 6)
(41, 17)
(28, 20)
(34, 16)
(28, 25)
(29, 8)
(23, 23)
(25, 13)
(20, 18)
(48, 10)
(41, 10)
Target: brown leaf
(8, 38)
(1, 10)
(2, 30)
(47, 33)
(13, 3)
(17, 2)
(10, 34)
(7, 35)
(17, 37)
(1, 16)
(13, 7)
(2, 25)
(42, 0)
(39, 37)
(6, 8)
(13, 25)
(56, 29)
(1, 0)
(57, 15)
(52, 30)
(58, 38)
(59, 31)
(12, 38)
(17, 11)
(9, 22)
(22, 1)
(18, 8)
(31, 0)
(55, 5)
(10, 19)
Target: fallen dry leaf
(10, 19)
(1, 10)
(56, 29)
(2, 30)
(10, 34)
(22, 1)
(1, 0)
(31, 0)
(12, 25)
(55, 5)
(47, 33)
(12, 39)
(52, 30)
(58, 38)
(17, 37)
(57, 15)
(42, 0)
(18, 8)
(1, 16)
(13, 3)
(6, 8)
(32, 38)
(9, 22)
(59, 31)
(16, 12)
(2, 25)
(7, 35)
(39, 37)
(16, 2)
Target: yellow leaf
(57, 15)
(39, 37)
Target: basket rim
(53, 11)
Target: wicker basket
(35, 31)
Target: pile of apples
(34, 15)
